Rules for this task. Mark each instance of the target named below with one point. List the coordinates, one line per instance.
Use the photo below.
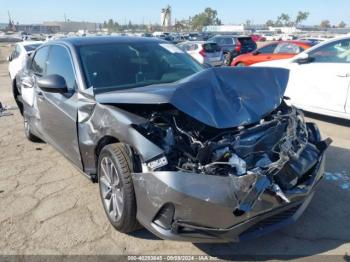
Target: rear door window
(269, 49)
(246, 40)
(224, 41)
(287, 48)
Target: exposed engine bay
(280, 141)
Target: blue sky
(230, 11)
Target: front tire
(116, 187)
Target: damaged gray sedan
(194, 154)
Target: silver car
(204, 52)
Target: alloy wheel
(111, 189)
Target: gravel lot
(47, 207)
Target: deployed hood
(218, 97)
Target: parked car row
(317, 72)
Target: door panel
(319, 86)
(58, 117)
(58, 112)
(324, 82)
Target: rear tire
(28, 133)
(116, 187)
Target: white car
(319, 78)
(19, 56)
(204, 52)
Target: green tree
(110, 25)
(301, 17)
(342, 24)
(283, 20)
(208, 17)
(116, 27)
(270, 23)
(325, 24)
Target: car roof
(82, 41)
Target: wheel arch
(15, 94)
(107, 140)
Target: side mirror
(53, 84)
(303, 58)
(9, 58)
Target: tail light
(202, 52)
(238, 47)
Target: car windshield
(118, 66)
(32, 47)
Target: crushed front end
(227, 184)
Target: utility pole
(11, 24)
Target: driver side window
(38, 64)
(336, 52)
(59, 63)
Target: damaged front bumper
(203, 208)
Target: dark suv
(233, 46)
